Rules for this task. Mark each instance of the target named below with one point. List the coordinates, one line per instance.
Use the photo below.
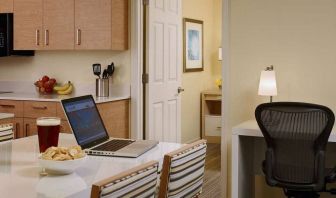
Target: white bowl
(61, 167)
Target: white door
(164, 69)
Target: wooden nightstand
(211, 116)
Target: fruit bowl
(61, 167)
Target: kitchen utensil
(110, 69)
(105, 75)
(97, 69)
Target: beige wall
(194, 83)
(298, 38)
(64, 65)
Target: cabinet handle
(40, 108)
(46, 37)
(17, 128)
(27, 127)
(219, 127)
(37, 37)
(79, 37)
(8, 106)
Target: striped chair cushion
(186, 171)
(138, 182)
(6, 132)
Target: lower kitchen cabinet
(115, 115)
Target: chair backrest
(296, 135)
(183, 171)
(6, 132)
(137, 182)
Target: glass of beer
(48, 129)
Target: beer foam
(48, 122)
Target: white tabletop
(251, 128)
(19, 169)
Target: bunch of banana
(64, 89)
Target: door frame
(226, 123)
(136, 40)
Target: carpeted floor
(211, 186)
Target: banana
(63, 87)
(67, 91)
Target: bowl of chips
(62, 160)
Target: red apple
(45, 78)
(52, 81)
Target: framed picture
(192, 45)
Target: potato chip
(63, 153)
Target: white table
(19, 169)
(248, 152)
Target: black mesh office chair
(296, 135)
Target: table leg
(242, 167)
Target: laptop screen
(85, 120)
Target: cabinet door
(30, 127)
(6, 6)
(119, 25)
(65, 127)
(18, 128)
(115, 116)
(28, 24)
(58, 24)
(93, 24)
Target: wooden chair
(183, 170)
(6, 132)
(136, 182)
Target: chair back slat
(6, 132)
(137, 182)
(183, 171)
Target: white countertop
(19, 169)
(26, 91)
(251, 128)
(55, 97)
(6, 115)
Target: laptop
(91, 134)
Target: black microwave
(7, 37)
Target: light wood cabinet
(6, 6)
(30, 127)
(119, 24)
(28, 24)
(211, 107)
(70, 24)
(58, 24)
(115, 116)
(93, 24)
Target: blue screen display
(85, 121)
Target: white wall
(64, 65)
(297, 37)
(194, 83)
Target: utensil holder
(102, 87)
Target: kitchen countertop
(6, 115)
(55, 97)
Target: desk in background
(248, 152)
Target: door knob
(180, 89)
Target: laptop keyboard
(113, 145)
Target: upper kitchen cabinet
(28, 24)
(43, 24)
(58, 24)
(6, 6)
(93, 24)
(119, 24)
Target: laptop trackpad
(138, 147)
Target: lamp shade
(267, 84)
(220, 55)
